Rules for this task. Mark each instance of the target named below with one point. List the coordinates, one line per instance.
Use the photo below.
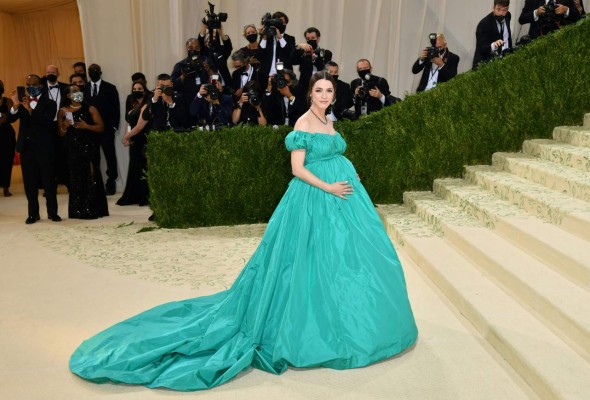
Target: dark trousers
(108, 148)
(38, 172)
(62, 173)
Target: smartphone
(214, 78)
(21, 92)
(70, 117)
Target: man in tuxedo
(36, 146)
(165, 110)
(285, 104)
(370, 92)
(244, 72)
(105, 97)
(545, 18)
(311, 52)
(343, 95)
(438, 69)
(189, 74)
(493, 33)
(56, 91)
(275, 48)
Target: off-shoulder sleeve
(297, 140)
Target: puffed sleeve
(297, 140)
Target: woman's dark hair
(319, 76)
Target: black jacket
(486, 33)
(373, 104)
(448, 71)
(35, 130)
(542, 27)
(107, 104)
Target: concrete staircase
(509, 245)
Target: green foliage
(238, 175)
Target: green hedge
(238, 175)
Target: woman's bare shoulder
(303, 123)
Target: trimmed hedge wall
(238, 175)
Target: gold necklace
(323, 122)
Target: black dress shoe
(110, 187)
(55, 218)
(152, 217)
(32, 220)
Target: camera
(193, 64)
(254, 98)
(365, 86)
(212, 20)
(212, 91)
(279, 80)
(433, 51)
(324, 55)
(167, 90)
(550, 15)
(269, 24)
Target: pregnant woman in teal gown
(324, 288)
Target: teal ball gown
(324, 288)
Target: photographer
(212, 107)
(275, 44)
(189, 73)
(340, 108)
(248, 109)
(252, 49)
(437, 63)
(493, 35)
(244, 72)
(370, 92)
(284, 100)
(310, 52)
(216, 46)
(545, 16)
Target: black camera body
(366, 85)
(192, 65)
(279, 81)
(433, 51)
(269, 24)
(324, 55)
(550, 15)
(167, 90)
(212, 91)
(254, 98)
(212, 20)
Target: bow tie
(33, 99)
(53, 87)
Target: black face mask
(239, 70)
(137, 94)
(282, 28)
(51, 78)
(193, 54)
(94, 75)
(363, 72)
(335, 77)
(252, 37)
(499, 18)
(313, 44)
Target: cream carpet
(63, 282)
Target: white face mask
(78, 97)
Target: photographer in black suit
(284, 100)
(212, 107)
(438, 67)
(371, 92)
(36, 145)
(493, 35)
(340, 108)
(311, 52)
(105, 97)
(545, 16)
(244, 72)
(275, 45)
(248, 109)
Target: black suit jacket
(62, 92)
(282, 53)
(34, 134)
(486, 33)
(161, 115)
(236, 79)
(448, 71)
(343, 98)
(373, 104)
(107, 104)
(538, 28)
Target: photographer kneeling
(437, 63)
(248, 109)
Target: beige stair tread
(576, 135)
(560, 153)
(550, 366)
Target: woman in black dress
(81, 124)
(7, 142)
(136, 187)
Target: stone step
(575, 135)
(549, 366)
(567, 254)
(570, 214)
(563, 304)
(559, 153)
(553, 176)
